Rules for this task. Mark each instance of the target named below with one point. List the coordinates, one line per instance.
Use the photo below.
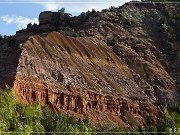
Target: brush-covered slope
(146, 37)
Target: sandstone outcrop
(54, 18)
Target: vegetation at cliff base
(16, 117)
(64, 123)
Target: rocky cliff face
(80, 75)
(118, 71)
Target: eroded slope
(81, 75)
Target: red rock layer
(83, 102)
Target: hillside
(118, 65)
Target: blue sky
(16, 14)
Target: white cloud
(74, 6)
(20, 21)
(49, 5)
(79, 5)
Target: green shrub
(64, 123)
(29, 25)
(163, 20)
(177, 108)
(15, 117)
(108, 129)
(82, 34)
(62, 10)
(83, 17)
(12, 42)
(7, 105)
(112, 9)
(1, 37)
(112, 41)
(177, 16)
(169, 46)
(166, 121)
(70, 24)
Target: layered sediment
(80, 75)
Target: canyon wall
(84, 103)
(81, 76)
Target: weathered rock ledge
(83, 102)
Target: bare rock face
(81, 76)
(48, 17)
(45, 17)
